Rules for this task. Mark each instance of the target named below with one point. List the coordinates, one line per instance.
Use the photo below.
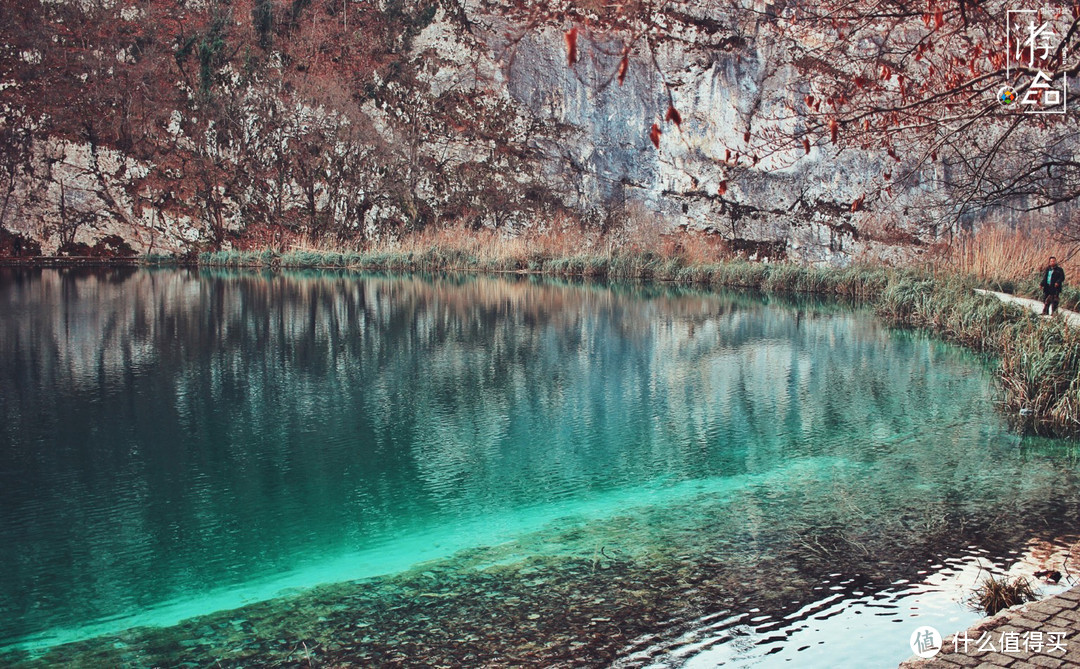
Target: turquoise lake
(203, 466)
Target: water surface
(177, 442)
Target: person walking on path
(1053, 277)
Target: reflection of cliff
(166, 432)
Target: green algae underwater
(331, 469)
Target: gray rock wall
(482, 121)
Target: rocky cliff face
(211, 123)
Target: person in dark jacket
(1053, 277)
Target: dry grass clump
(997, 594)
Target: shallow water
(179, 443)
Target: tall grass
(1040, 370)
(1003, 254)
(624, 254)
(1039, 359)
(1011, 260)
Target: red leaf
(861, 82)
(888, 176)
(806, 145)
(623, 65)
(834, 129)
(809, 100)
(886, 72)
(857, 203)
(939, 18)
(933, 156)
(746, 137)
(727, 155)
(673, 116)
(721, 188)
(571, 46)
(654, 135)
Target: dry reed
(1006, 255)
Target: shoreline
(71, 261)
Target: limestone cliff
(207, 123)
